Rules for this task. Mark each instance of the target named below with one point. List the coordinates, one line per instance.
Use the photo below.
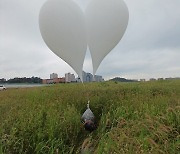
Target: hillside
(118, 79)
(132, 118)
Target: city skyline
(97, 78)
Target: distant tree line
(22, 80)
(118, 79)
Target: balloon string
(87, 96)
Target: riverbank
(23, 85)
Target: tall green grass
(131, 118)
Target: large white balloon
(62, 26)
(107, 21)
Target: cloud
(150, 44)
(149, 48)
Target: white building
(98, 78)
(53, 76)
(73, 79)
(69, 77)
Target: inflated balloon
(62, 26)
(106, 24)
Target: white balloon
(107, 21)
(63, 28)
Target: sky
(150, 47)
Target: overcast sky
(149, 48)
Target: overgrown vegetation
(131, 117)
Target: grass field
(131, 117)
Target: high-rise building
(53, 76)
(70, 77)
(73, 79)
(98, 78)
(88, 77)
